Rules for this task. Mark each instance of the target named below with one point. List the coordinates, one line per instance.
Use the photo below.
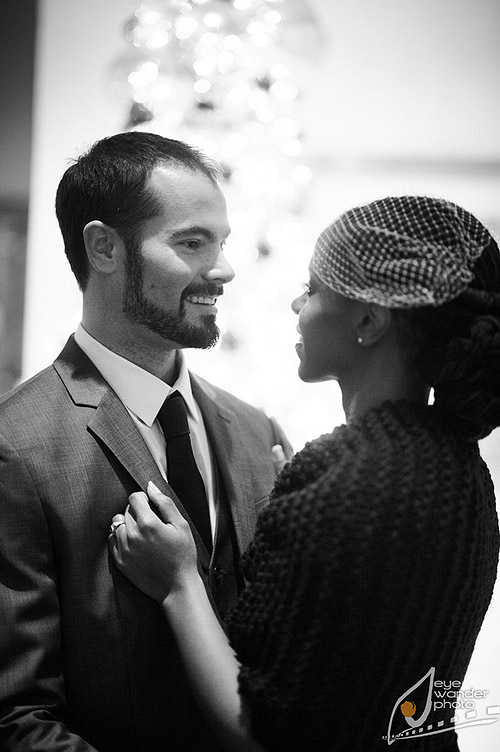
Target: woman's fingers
(118, 519)
(117, 536)
(157, 506)
(144, 517)
(165, 507)
(139, 505)
(152, 544)
(279, 458)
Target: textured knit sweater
(374, 562)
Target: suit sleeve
(32, 702)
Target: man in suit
(86, 661)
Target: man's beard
(171, 325)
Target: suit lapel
(113, 425)
(226, 439)
(111, 422)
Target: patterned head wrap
(401, 252)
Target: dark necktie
(183, 473)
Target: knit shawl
(374, 561)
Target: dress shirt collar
(141, 392)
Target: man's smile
(202, 299)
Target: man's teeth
(201, 299)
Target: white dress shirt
(143, 394)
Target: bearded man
(86, 660)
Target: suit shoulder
(29, 389)
(34, 399)
(228, 400)
(253, 420)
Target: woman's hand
(155, 547)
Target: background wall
(403, 98)
(16, 66)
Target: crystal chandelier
(226, 76)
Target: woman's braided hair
(456, 348)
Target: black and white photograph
(249, 376)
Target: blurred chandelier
(226, 76)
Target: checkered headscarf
(401, 252)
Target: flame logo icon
(408, 707)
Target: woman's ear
(102, 244)
(374, 324)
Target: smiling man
(86, 661)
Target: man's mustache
(204, 290)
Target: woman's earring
(360, 340)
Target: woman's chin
(311, 376)
(306, 375)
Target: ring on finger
(115, 525)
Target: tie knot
(172, 416)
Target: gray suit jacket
(86, 660)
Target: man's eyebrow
(189, 231)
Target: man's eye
(306, 287)
(191, 244)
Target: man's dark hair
(108, 183)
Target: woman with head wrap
(373, 565)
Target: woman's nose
(298, 303)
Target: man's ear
(102, 244)
(374, 324)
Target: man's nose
(221, 271)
